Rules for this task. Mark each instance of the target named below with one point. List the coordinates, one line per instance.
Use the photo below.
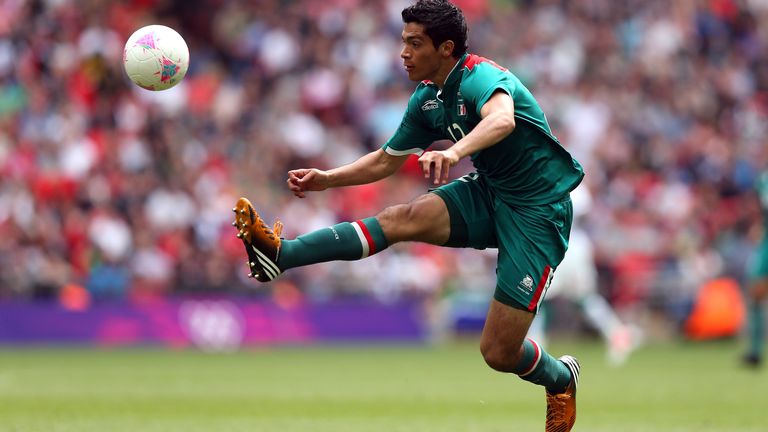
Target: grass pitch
(383, 388)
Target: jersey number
(458, 128)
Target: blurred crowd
(120, 193)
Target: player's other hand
(307, 179)
(438, 162)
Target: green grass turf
(406, 388)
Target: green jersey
(528, 167)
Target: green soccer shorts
(532, 240)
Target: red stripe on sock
(368, 237)
(535, 362)
(539, 289)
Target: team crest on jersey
(461, 109)
(430, 105)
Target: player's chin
(413, 75)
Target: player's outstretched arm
(372, 167)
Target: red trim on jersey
(540, 288)
(368, 237)
(426, 82)
(474, 60)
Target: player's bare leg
(503, 336)
(505, 348)
(425, 219)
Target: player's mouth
(409, 68)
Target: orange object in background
(718, 311)
(74, 297)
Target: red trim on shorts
(539, 289)
(368, 237)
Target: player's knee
(500, 358)
(401, 222)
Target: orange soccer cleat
(262, 243)
(561, 407)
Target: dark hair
(442, 21)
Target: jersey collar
(454, 76)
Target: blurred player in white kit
(576, 280)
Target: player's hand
(438, 162)
(305, 180)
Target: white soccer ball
(156, 57)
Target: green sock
(541, 368)
(345, 241)
(755, 328)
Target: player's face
(420, 57)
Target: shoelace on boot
(554, 402)
(273, 232)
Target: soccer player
(576, 281)
(517, 201)
(758, 285)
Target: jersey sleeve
(483, 81)
(413, 136)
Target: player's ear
(446, 48)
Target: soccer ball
(156, 57)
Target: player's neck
(445, 70)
